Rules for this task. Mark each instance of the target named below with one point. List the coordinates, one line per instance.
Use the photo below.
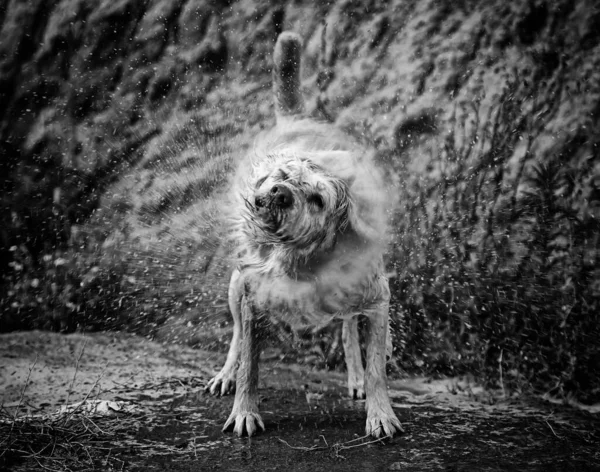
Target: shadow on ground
(147, 410)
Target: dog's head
(307, 184)
(294, 202)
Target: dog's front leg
(381, 419)
(356, 371)
(224, 382)
(244, 416)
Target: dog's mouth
(272, 206)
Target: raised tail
(286, 75)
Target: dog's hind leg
(356, 371)
(286, 75)
(244, 417)
(381, 419)
(224, 382)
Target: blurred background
(121, 122)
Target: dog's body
(310, 232)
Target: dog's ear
(362, 204)
(369, 204)
(340, 163)
(368, 213)
(286, 75)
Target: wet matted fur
(310, 228)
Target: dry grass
(56, 442)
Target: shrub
(496, 256)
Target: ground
(152, 414)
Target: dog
(310, 230)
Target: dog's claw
(221, 384)
(382, 424)
(356, 384)
(247, 422)
(356, 392)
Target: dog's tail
(286, 75)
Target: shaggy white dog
(310, 230)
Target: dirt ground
(149, 403)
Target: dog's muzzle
(278, 198)
(271, 206)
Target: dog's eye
(316, 200)
(284, 175)
(260, 181)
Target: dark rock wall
(76, 74)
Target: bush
(496, 253)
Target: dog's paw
(244, 422)
(356, 390)
(221, 384)
(383, 423)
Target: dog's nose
(282, 196)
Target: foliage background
(122, 120)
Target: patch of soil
(159, 418)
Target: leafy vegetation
(496, 262)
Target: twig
(32, 407)
(34, 456)
(552, 429)
(500, 368)
(195, 446)
(343, 446)
(76, 370)
(25, 387)
(302, 448)
(97, 427)
(95, 384)
(337, 446)
(359, 438)
(70, 414)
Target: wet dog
(310, 229)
